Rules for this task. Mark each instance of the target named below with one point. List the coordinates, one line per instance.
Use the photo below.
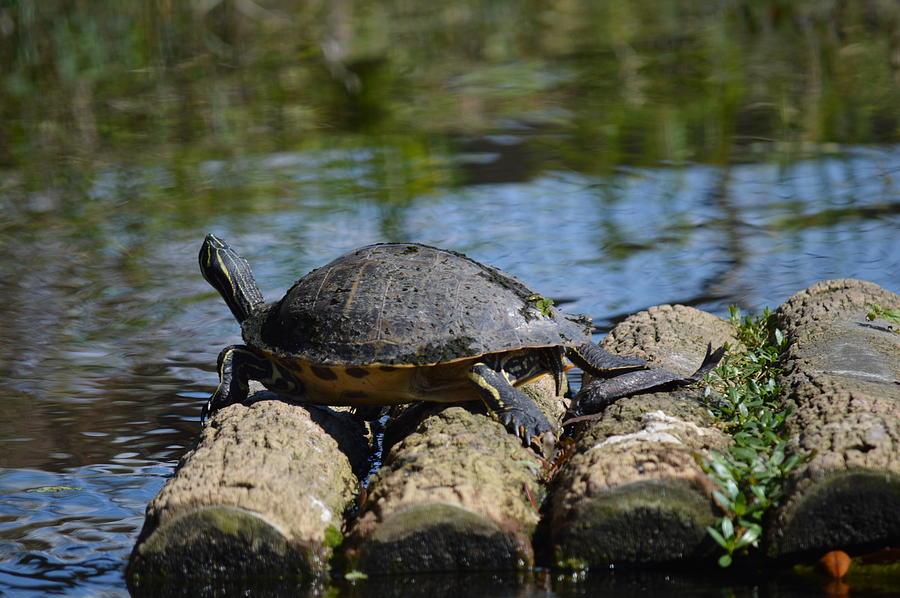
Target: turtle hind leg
(600, 393)
(710, 361)
(237, 365)
(518, 412)
(600, 363)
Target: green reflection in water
(86, 84)
(128, 128)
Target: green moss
(440, 537)
(843, 508)
(862, 576)
(890, 315)
(569, 563)
(595, 532)
(333, 537)
(194, 545)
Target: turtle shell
(405, 304)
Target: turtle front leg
(237, 365)
(518, 412)
(602, 392)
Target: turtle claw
(215, 402)
(518, 412)
(237, 366)
(532, 430)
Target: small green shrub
(889, 315)
(743, 394)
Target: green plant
(542, 304)
(743, 394)
(890, 315)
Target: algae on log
(633, 492)
(262, 494)
(459, 493)
(842, 378)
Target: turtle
(397, 323)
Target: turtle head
(230, 274)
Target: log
(262, 494)
(459, 493)
(842, 379)
(633, 492)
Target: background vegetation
(86, 82)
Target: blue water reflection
(101, 402)
(710, 236)
(69, 533)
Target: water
(110, 340)
(613, 156)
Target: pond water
(607, 204)
(110, 341)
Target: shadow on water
(614, 155)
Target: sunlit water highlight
(110, 339)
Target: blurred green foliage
(85, 82)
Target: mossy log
(633, 492)
(262, 494)
(459, 493)
(842, 379)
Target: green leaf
(750, 537)
(725, 560)
(720, 540)
(722, 499)
(777, 457)
(791, 462)
(743, 453)
(758, 491)
(721, 469)
(731, 488)
(727, 528)
(542, 304)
